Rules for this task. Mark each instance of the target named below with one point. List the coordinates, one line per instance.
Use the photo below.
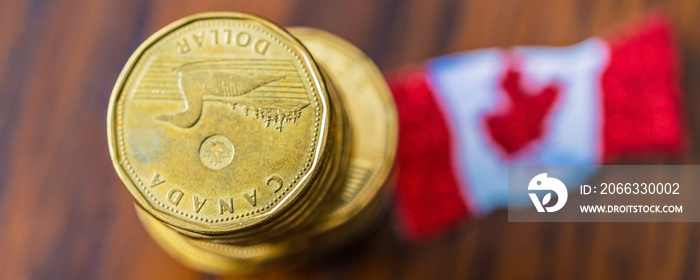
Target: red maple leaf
(522, 121)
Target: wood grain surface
(64, 214)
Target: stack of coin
(247, 145)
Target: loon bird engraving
(220, 80)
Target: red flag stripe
(641, 94)
(428, 198)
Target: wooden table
(65, 214)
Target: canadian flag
(465, 117)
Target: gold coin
(219, 123)
(362, 194)
(181, 248)
(372, 117)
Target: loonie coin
(373, 120)
(363, 192)
(220, 124)
(241, 152)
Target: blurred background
(64, 213)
